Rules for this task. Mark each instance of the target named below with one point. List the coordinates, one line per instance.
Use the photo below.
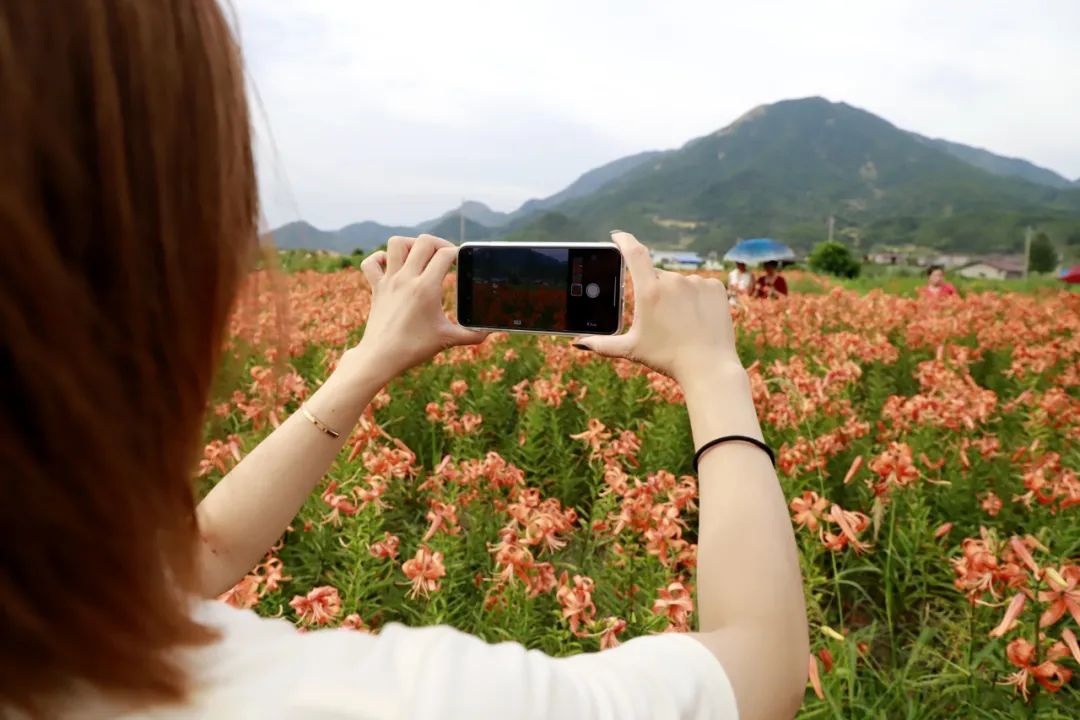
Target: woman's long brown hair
(127, 212)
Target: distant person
(772, 284)
(936, 286)
(740, 282)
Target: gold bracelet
(319, 423)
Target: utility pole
(832, 223)
(461, 219)
(1027, 250)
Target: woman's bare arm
(750, 599)
(249, 509)
(749, 587)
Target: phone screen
(541, 289)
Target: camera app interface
(540, 288)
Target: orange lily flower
(386, 548)
(815, 678)
(243, 595)
(319, 606)
(675, 602)
(1061, 598)
(850, 524)
(442, 516)
(273, 574)
(1024, 554)
(424, 570)
(1049, 674)
(1016, 606)
(808, 509)
(856, 465)
(608, 638)
(1068, 638)
(577, 603)
(991, 504)
(353, 622)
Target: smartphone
(548, 288)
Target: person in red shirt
(772, 284)
(936, 286)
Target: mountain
(782, 170)
(779, 170)
(477, 212)
(588, 183)
(300, 235)
(368, 235)
(450, 229)
(363, 236)
(552, 227)
(999, 164)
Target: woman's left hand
(407, 324)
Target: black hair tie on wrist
(733, 438)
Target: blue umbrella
(759, 250)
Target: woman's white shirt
(266, 668)
(740, 281)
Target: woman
(740, 282)
(936, 285)
(128, 212)
(772, 284)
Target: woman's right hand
(682, 326)
(407, 324)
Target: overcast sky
(395, 110)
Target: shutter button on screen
(592, 290)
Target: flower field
(525, 490)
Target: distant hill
(450, 229)
(551, 227)
(782, 170)
(477, 212)
(999, 164)
(587, 184)
(363, 235)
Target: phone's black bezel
(465, 284)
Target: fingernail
(615, 231)
(579, 346)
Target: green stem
(832, 557)
(1038, 649)
(889, 610)
(836, 589)
(971, 656)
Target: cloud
(395, 111)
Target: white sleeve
(438, 673)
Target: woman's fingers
(397, 248)
(373, 267)
(458, 335)
(421, 253)
(619, 346)
(441, 262)
(644, 275)
(637, 258)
